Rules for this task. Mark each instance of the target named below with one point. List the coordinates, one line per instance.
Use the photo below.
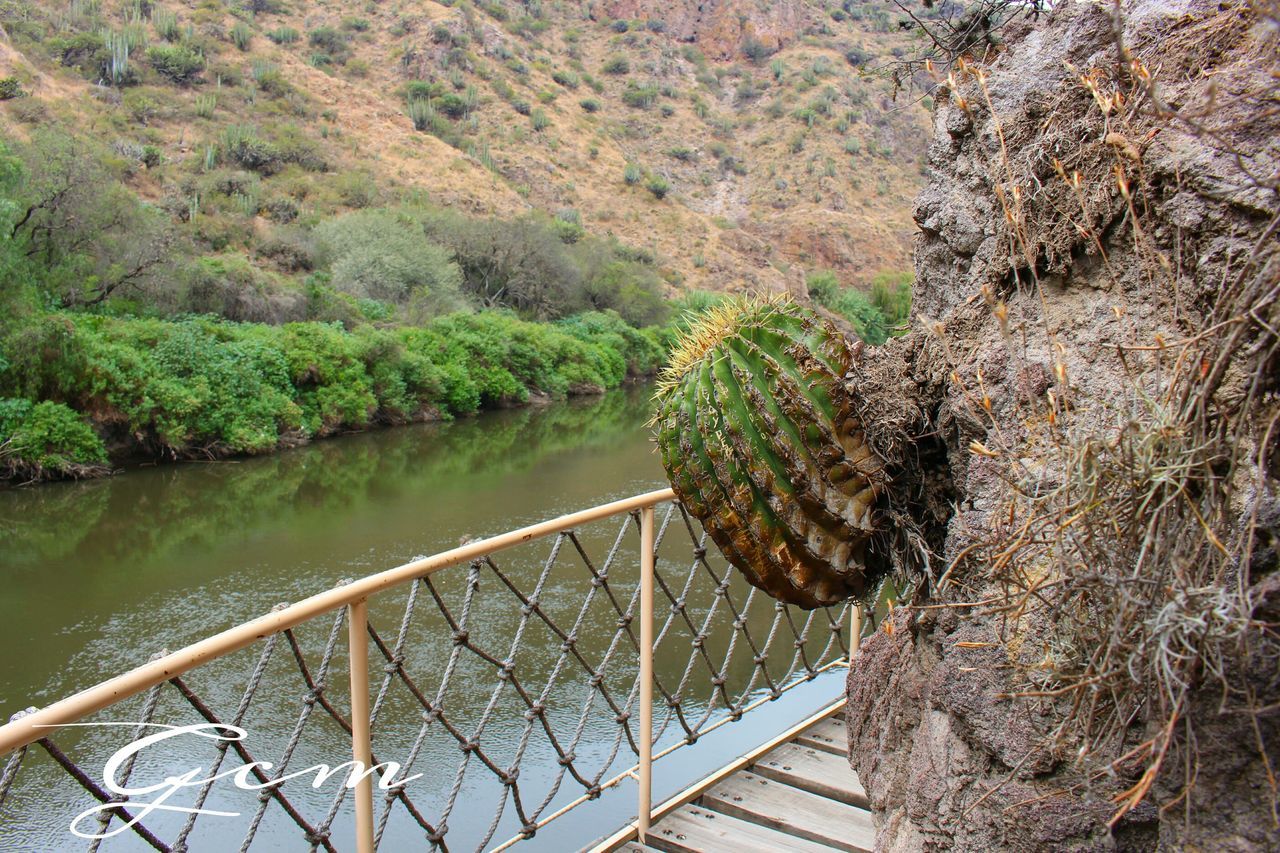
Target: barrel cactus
(760, 440)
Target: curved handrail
(30, 727)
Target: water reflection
(176, 551)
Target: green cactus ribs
(760, 441)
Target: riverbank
(82, 394)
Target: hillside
(734, 144)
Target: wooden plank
(800, 813)
(829, 735)
(635, 847)
(695, 790)
(692, 829)
(814, 771)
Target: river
(100, 575)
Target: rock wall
(1041, 227)
(720, 28)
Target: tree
(376, 254)
(92, 238)
(756, 50)
(633, 290)
(12, 280)
(179, 63)
(521, 263)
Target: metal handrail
(31, 727)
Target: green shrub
(540, 120)
(866, 319)
(632, 289)
(284, 35)
(282, 210)
(640, 97)
(568, 225)
(330, 42)
(590, 105)
(86, 52)
(422, 90)
(823, 286)
(617, 64)
(244, 147)
(166, 23)
(268, 78)
(378, 255)
(178, 63)
(10, 88)
(565, 78)
(421, 112)
(756, 50)
(44, 440)
(233, 287)
(241, 35)
(632, 174)
(205, 105)
(452, 105)
(659, 186)
(141, 107)
(858, 56)
(891, 293)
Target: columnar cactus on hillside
(759, 438)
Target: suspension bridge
(602, 681)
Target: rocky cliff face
(722, 29)
(1102, 211)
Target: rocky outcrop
(1067, 238)
(722, 29)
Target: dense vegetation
(208, 386)
(108, 314)
(876, 315)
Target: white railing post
(361, 741)
(646, 669)
(855, 631)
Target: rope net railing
(510, 683)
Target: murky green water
(99, 576)
(88, 566)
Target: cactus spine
(759, 438)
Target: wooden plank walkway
(800, 796)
